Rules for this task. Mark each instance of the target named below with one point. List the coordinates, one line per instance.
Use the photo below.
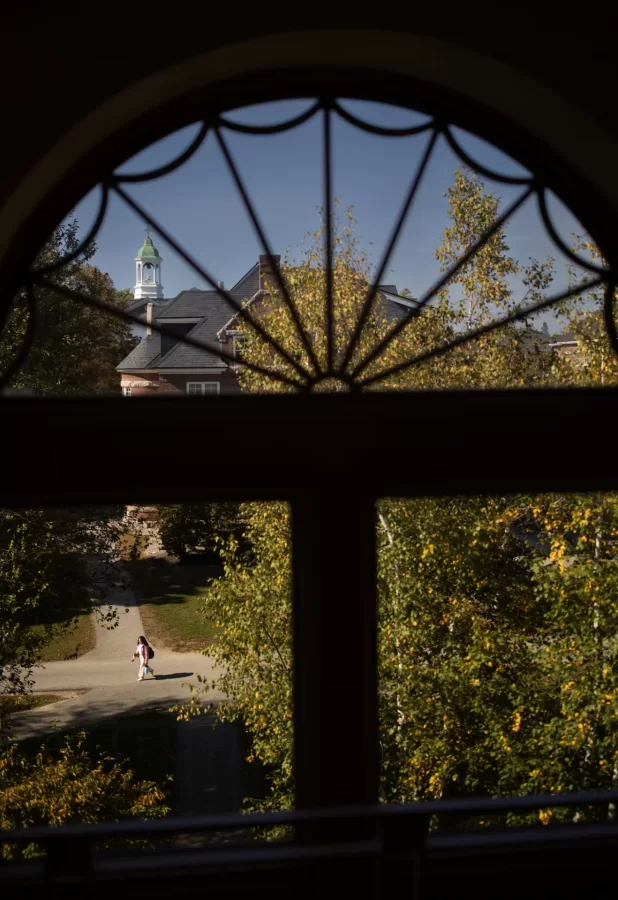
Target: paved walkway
(110, 678)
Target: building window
(126, 392)
(199, 388)
(237, 347)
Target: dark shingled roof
(138, 307)
(195, 303)
(183, 356)
(565, 338)
(394, 306)
(249, 284)
(144, 355)
(215, 312)
(192, 304)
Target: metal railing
(374, 847)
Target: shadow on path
(70, 715)
(175, 675)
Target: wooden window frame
(330, 457)
(354, 450)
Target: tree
(44, 569)
(514, 599)
(593, 361)
(482, 601)
(76, 348)
(438, 601)
(306, 284)
(187, 528)
(506, 357)
(52, 563)
(69, 787)
(577, 583)
(250, 608)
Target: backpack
(150, 652)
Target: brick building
(160, 364)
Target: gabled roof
(211, 309)
(145, 355)
(192, 304)
(213, 313)
(184, 356)
(394, 306)
(138, 307)
(568, 337)
(249, 284)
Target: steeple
(148, 271)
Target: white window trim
(202, 384)
(126, 390)
(235, 339)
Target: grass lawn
(75, 641)
(12, 703)
(171, 596)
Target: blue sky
(199, 204)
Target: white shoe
(140, 679)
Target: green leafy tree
(514, 599)
(44, 570)
(76, 348)
(483, 290)
(482, 602)
(306, 284)
(592, 362)
(577, 583)
(250, 608)
(70, 787)
(52, 564)
(444, 567)
(187, 528)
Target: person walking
(143, 653)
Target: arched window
(352, 390)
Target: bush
(69, 787)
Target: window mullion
(335, 703)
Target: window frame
(238, 338)
(320, 453)
(203, 393)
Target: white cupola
(148, 272)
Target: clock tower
(148, 272)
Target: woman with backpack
(144, 653)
